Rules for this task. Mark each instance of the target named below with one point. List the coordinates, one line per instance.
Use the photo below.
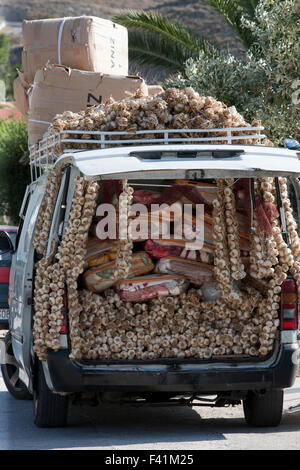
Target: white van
(256, 381)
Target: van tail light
(289, 305)
(63, 330)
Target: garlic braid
(258, 245)
(237, 268)
(46, 210)
(285, 254)
(84, 203)
(293, 263)
(221, 255)
(125, 246)
(41, 307)
(52, 278)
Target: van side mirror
(5, 243)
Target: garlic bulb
(244, 321)
(51, 278)
(233, 241)
(172, 327)
(171, 109)
(226, 253)
(46, 211)
(125, 245)
(221, 257)
(291, 259)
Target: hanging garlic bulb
(104, 327)
(178, 327)
(237, 268)
(260, 265)
(221, 257)
(293, 259)
(285, 254)
(87, 194)
(125, 245)
(53, 278)
(46, 210)
(41, 307)
(270, 259)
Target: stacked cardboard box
(84, 43)
(70, 64)
(58, 88)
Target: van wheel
(10, 373)
(264, 410)
(50, 409)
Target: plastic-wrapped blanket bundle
(99, 278)
(100, 252)
(194, 271)
(162, 247)
(194, 189)
(141, 289)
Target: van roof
(175, 160)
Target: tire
(10, 373)
(264, 410)
(50, 409)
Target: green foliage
(156, 40)
(230, 80)
(276, 30)
(7, 72)
(155, 23)
(150, 49)
(249, 6)
(14, 176)
(261, 85)
(233, 11)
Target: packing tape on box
(40, 122)
(59, 40)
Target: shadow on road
(117, 426)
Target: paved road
(120, 428)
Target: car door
(21, 278)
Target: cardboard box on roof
(57, 89)
(21, 94)
(84, 43)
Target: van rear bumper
(180, 377)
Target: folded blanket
(194, 271)
(99, 278)
(141, 289)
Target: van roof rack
(44, 154)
